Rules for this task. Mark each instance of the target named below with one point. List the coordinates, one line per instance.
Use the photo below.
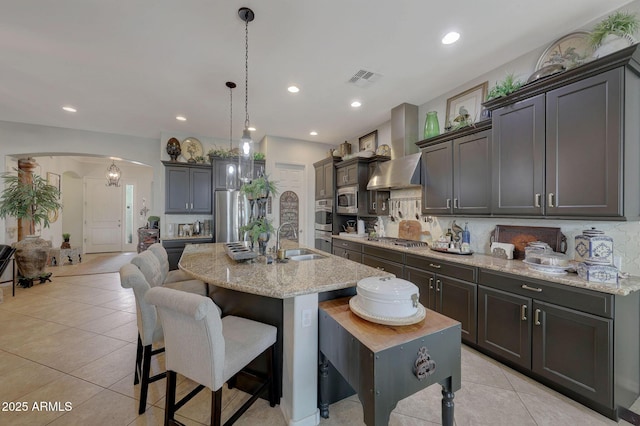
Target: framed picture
(369, 142)
(464, 109)
(53, 179)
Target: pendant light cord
(230, 118)
(246, 73)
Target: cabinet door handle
(536, 317)
(431, 283)
(380, 268)
(384, 206)
(438, 285)
(435, 266)
(536, 289)
(523, 312)
(455, 203)
(186, 206)
(322, 192)
(448, 203)
(346, 255)
(191, 206)
(551, 196)
(537, 200)
(373, 205)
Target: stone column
(26, 166)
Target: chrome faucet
(295, 233)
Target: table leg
(323, 370)
(447, 404)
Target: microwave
(348, 200)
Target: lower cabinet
(552, 338)
(175, 248)
(347, 249)
(386, 260)
(453, 297)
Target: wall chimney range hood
(403, 170)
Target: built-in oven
(324, 215)
(323, 240)
(348, 200)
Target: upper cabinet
(325, 178)
(225, 174)
(457, 173)
(349, 174)
(562, 146)
(187, 188)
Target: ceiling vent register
(364, 78)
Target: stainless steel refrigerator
(231, 212)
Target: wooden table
(385, 364)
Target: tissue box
(502, 250)
(602, 274)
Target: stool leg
(216, 407)
(323, 378)
(144, 385)
(170, 398)
(136, 379)
(271, 360)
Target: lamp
(231, 168)
(245, 156)
(113, 175)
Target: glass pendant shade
(245, 157)
(231, 177)
(113, 175)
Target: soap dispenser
(466, 235)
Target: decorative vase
(31, 256)
(65, 244)
(173, 149)
(263, 239)
(431, 126)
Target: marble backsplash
(626, 235)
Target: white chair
(163, 259)
(149, 330)
(158, 274)
(208, 349)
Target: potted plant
(504, 87)
(66, 238)
(613, 33)
(28, 197)
(259, 188)
(258, 230)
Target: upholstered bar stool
(157, 272)
(149, 330)
(208, 349)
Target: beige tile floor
(73, 341)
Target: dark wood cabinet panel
(325, 178)
(426, 282)
(383, 264)
(329, 179)
(584, 147)
(458, 300)
(504, 325)
(176, 190)
(472, 174)
(188, 189)
(356, 256)
(347, 175)
(574, 349)
(437, 184)
(224, 179)
(200, 191)
(518, 147)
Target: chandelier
(113, 175)
(245, 157)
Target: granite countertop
(209, 263)
(516, 267)
(194, 237)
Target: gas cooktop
(399, 242)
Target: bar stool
(208, 349)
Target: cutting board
(410, 230)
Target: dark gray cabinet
(347, 174)
(347, 249)
(584, 147)
(446, 288)
(188, 189)
(559, 333)
(325, 178)
(384, 259)
(378, 201)
(518, 158)
(175, 248)
(225, 174)
(457, 176)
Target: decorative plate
(571, 50)
(356, 308)
(384, 150)
(191, 148)
(547, 269)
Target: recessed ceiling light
(69, 109)
(293, 89)
(356, 104)
(252, 129)
(450, 38)
(181, 118)
(313, 133)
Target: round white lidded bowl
(388, 297)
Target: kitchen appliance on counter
(231, 212)
(348, 200)
(323, 224)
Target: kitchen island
(294, 288)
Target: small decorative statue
(173, 149)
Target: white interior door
(103, 216)
(291, 177)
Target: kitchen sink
(311, 256)
(297, 252)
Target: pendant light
(231, 178)
(245, 157)
(113, 175)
